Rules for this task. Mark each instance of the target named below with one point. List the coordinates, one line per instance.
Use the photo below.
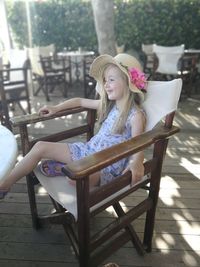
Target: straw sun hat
(128, 64)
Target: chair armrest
(15, 69)
(35, 117)
(93, 163)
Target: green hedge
(69, 23)
(165, 22)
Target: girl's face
(114, 83)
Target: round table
(8, 152)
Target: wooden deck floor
(177, 230)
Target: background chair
(75, 206)
(171, 62)
(189, 73)
(88, 82)
(148, 58)
(167, 61)
(14, 85)
(48, 72)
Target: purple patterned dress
(102, 140)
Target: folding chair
(76, 205)
(148, 60)
(48, 74)
(88, 82)
(167, 61)
(14, 90)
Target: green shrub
(165, 22)
(69, 23)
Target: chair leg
(83, 223)
(5, 115)
(134, 237)
(32, 201)
(46, 91)
(65, 89)
(159, 152)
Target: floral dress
(103, 139)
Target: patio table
(192, 51)
(8, 151)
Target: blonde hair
(131, 99)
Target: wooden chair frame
(52, 76)
(13, 91)
(88, 82)
(148, 58)
(90, 249)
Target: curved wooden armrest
(35, 117)
(93, 163)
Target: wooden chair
(189, 72)
(14, 90)
(76, 205)
(170, 62)
(148, 58)
(48, 72)
(168, 58)
(88, 82)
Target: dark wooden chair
(148, 58)
(49, 72)
(76, 205)
(13, 90)
(189, 73)
(171, 63)
(88, 82)
(167, 60)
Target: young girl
(121, 86)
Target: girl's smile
(114, 83)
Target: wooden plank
(26, 263)
(36, 252)
(164, 258)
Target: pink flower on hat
(137, 78)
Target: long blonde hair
(131, 99)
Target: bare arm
(136, 161)
(71, 103)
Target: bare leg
(54, 151)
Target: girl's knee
(40, 146)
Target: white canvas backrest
(47, 51)
(147, 49)
(168, 58)
(161, 99)
(34, 56)
(17, 58)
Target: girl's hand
(47, 111)
(137, 169)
